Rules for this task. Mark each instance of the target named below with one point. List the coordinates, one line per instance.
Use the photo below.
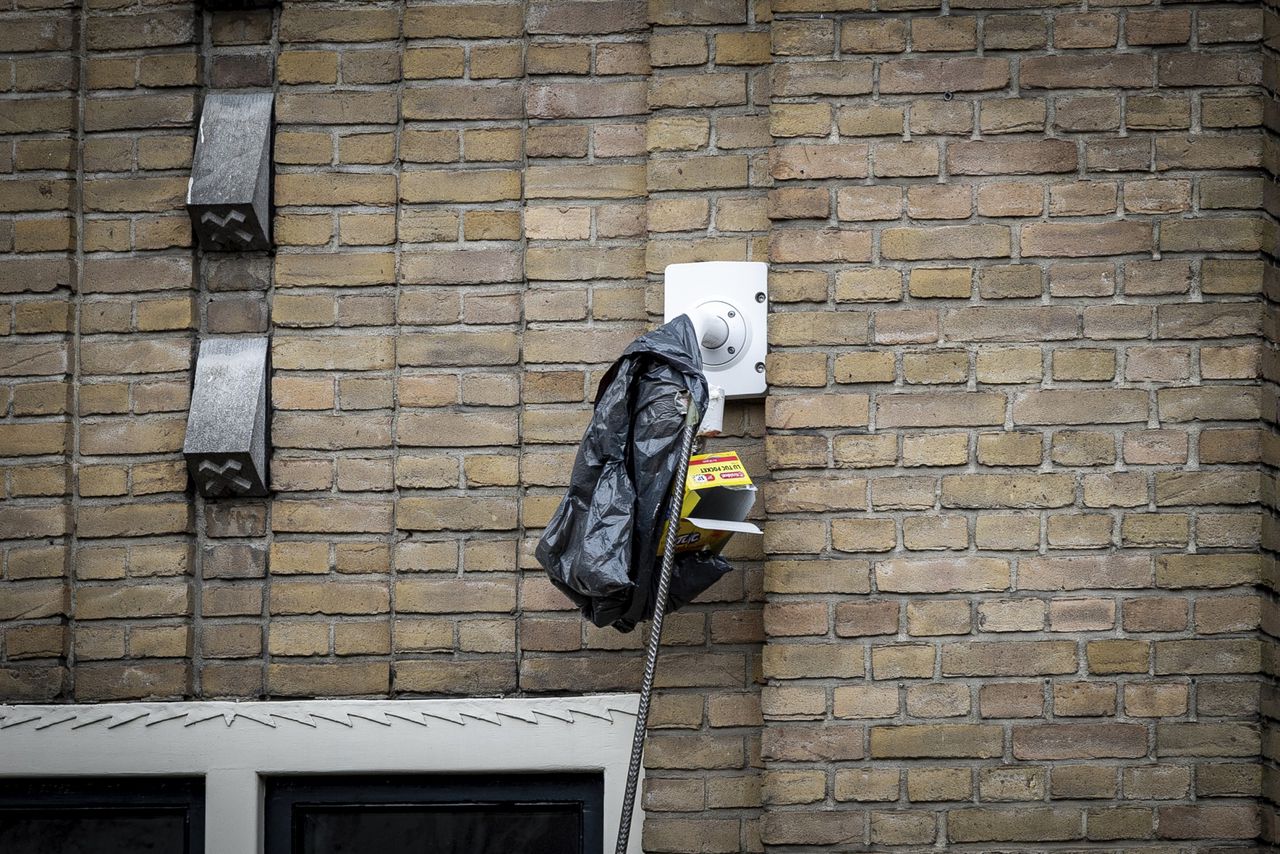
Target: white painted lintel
(234, 745)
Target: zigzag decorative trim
(316, 714)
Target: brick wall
(1012, 427)
(99, 287)
(1015, 583)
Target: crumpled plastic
(602, 547)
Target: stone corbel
(226, 441)
(229, 193)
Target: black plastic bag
(602, 547)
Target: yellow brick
(367, 229)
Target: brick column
(131, 595)
(1011, 427)
(333, 385)
(707, 133)
(458, 314)
(239, 53)
(584, 226)
(38, 202)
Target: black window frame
(284, 792)
(114, 795)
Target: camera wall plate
(729, 304)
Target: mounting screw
(732, 350)
(760, 296)
(947, 96)
(732, 313)
(759, 367)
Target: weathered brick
(325, 679)
(470, 21)
(443, 101)
(985, 824)
(803, 37)
(936, 740)
(813, 828)
(1012, 324)
(315, 25)
(695, 172)
(940, 409)
(362, 268)
(586, 100)
(968, 574)
(1194, 152)
(1075, 71)
(1207, 656)
(1079, 741)
(945, 242)
(575, 182)
(1219, 69)
(792, 246)
(1009, 658)
(1206, 739)
(1007, 490)
(140, 680)
(481, 185)
(1221, 821)
(330, 515)
(155, 29)
(799, 411)
(133, 520)
(847, 77)
(705, 89)
(815, 162)
(1011, 158)
(871, 35)
(827, 576)
(1092, 406)
(1072, 573)
(943, 75)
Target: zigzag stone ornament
(226, 441)
(228, 196)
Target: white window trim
(233, 745)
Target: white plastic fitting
(713, 420)
(711, 327)
(712, 331)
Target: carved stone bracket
(226, 441)
(229, 197)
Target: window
(103, 816)
(453, 814)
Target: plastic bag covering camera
(602, 546)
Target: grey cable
(655, 630)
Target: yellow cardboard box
(718, 495)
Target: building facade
(1016, 459)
